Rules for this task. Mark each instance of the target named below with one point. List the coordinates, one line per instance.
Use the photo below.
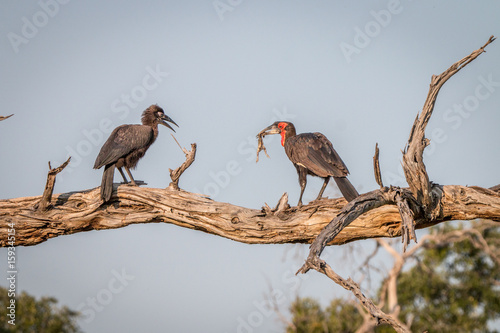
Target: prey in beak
(276, 128)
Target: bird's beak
(164, 120)
(272, 129)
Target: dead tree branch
(413, 164)
(176, 174)
(350, 285)
(83, 211)
(44, 203)
(3, 118)
(376, 167)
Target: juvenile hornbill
(126, 145)
(313, 154)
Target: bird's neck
(289, 133)
(155, 130)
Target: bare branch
(408, 222)
(3, 118)
(380, 316)
(83, 211)
(176, 174)
(376, 167)
(414, 167)
(45, 202)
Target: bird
(313, 154)
(126, 145)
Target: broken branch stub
(376, 167)
(5, 117)
(176, 174)
(44, 203)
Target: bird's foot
(136, 183)
(319, 199)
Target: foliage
(454, 287)
(37, 316)
(340, 316)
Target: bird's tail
(107, 182)
(345, 186)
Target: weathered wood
(44, 203)
(177, 173)
(349, 285)
(5, 117)
(82, 211)
(413, 164)
(376, 167)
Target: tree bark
(83, 211)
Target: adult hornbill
(313, 154)
(126, 145)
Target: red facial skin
(282, 126)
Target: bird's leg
(302, 181)
(123, 175)
(132, 181)
(327, 179)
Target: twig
(349, 285)
(44, 203)
(376, 167)
(3, 118)
(184, 150)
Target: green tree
(308, 316)
(36, 316)
(454, 286)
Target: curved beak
(164, 120)
(271, 129)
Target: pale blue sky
(223, 70)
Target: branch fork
(44, 204)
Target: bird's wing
(123, 140)
(315, 152)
